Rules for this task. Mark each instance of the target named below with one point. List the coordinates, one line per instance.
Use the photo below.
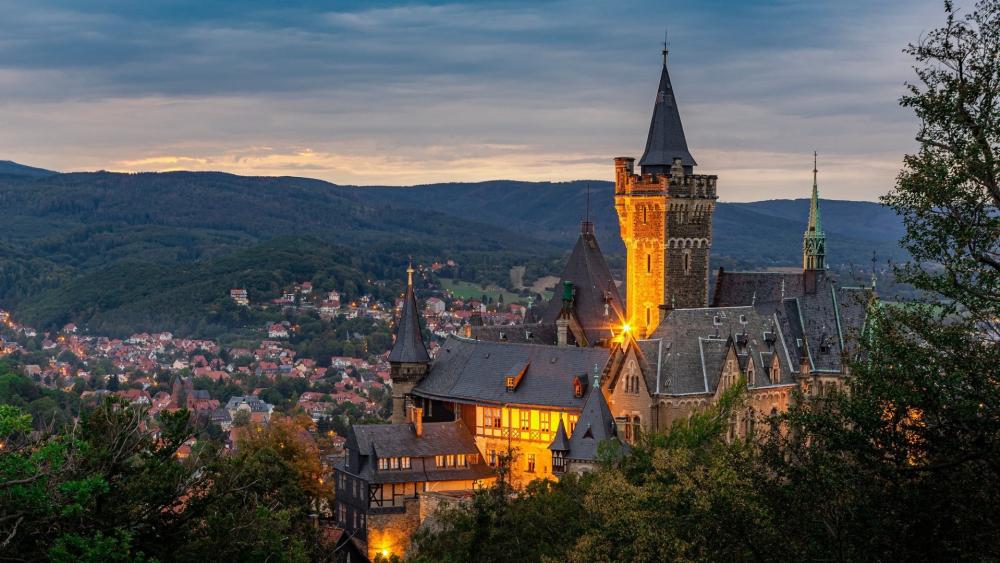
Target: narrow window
(525, 419)
(643, 214)
(649, 263)
(531, 463)
(687, 262)
(405, 462)
(648, 316)
(544, 421)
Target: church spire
(665, 141)
(814, 240)
(409, 345)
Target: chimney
(562, 331)
(416, 416)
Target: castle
(591, 367)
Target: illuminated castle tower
(665, 216)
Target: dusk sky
(407, 93)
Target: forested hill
(64, 237)
(758, 234)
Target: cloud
(411, 92)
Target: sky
(402, 93)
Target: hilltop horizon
(16, 168)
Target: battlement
(676, 183)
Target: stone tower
(408, 359)
(665, 217)
(813, 240)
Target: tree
(907, 465)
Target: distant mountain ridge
(63, 236)
(12, 168)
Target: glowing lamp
(626, 328)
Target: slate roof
(373, 441)
(560, 442)
(473, 371)
(736, 289)
(391, 440)
(591, 277)
(666, 140)
(595, 425)
(536, 333)
(693, 345)
(409, 345)
(826, 323)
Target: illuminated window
(525, 419)
(439, 460)
(471, 459)
(449, 460)
(404, 462)
(394, 462)
(491, 417)
(383, 463)
(461, 460)
(544, 421)
(572, 422)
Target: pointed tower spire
(408, 359)
(409, 345)
(666, 140)
(814, 240)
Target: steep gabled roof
(409, 345)
(696, 342)
(666, 134)
(595, 425)
(588, 271)
(473, 371)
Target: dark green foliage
(50, 409)
(109, 490)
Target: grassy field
(466, 290)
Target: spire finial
(814, 169)
(409, 273)
(666, 44)
(586, 227)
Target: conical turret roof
(595, 425)
(560, 443)
(409, 345)
(666, 139)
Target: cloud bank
(407, 93)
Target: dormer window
(578, 387)
(510, 383)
